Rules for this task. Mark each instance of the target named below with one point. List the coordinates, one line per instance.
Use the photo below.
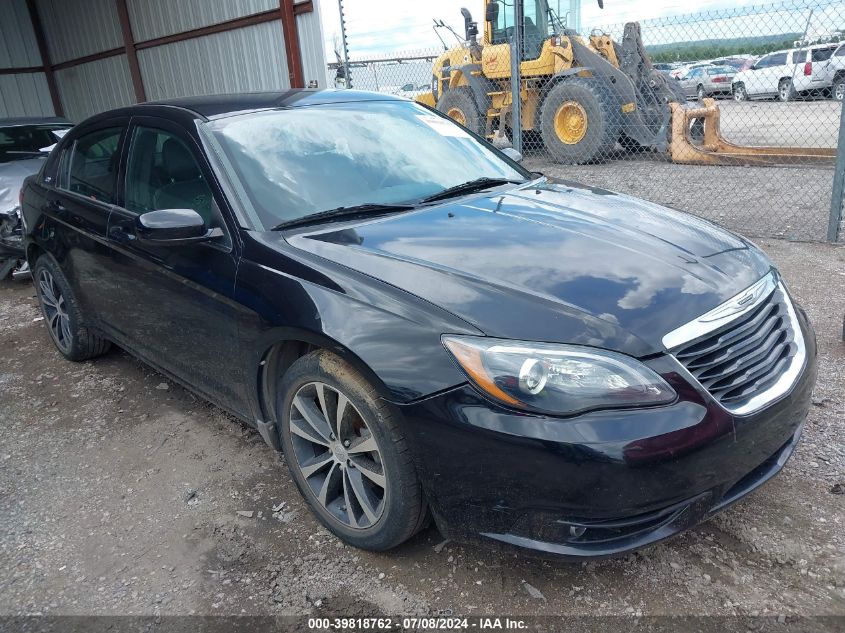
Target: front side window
(297, 162)
(163, 173)
(764, 62)
(89, 166)
(840, 52)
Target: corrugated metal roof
(310, 29)
(18, 47)
(76, 28)
(25, 95)
(250, 58)
(94, 87)
(156, 18)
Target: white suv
(786, 74)
(834, 69)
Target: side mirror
(491, 13)
(511, 153)
(174, 226)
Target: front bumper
(602, 483)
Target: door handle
(58, 208)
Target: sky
(376, 28)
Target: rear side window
(799, 56)
(89, 166)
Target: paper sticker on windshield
(442, 126)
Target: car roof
(216, 106)
(33, 120)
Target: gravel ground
(790, 202)
(121, 493)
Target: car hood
(12, 175)
(556, 262)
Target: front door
(176, 307)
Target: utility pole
(516, 59)
(346, 74)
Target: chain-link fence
(732, 115)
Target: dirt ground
(121, 493)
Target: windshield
(721, 70)
(298, 162)
(20, 142)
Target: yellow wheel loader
(580, 96)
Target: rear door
(177, 307)
(80, 204)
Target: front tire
(579, 121)
(701, 93)
(346, 450)
(63, 314)
(459, 105)
(740, 94)
(838, 91)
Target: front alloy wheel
(337, 455)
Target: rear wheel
(346, 450)
(459, 105)
(786, 91)
(579, 121)
(701, 93)
(739, 93)
(63, 315)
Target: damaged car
(429, 334)
(24, 144)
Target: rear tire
(786, 91)
(579, 121)
(459, 105)
(367, 444)
(701, 93)
(62, 314)
(740, 93)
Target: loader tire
(459, 105)
(580, 121)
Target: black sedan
(422, 326)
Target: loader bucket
(715, 150)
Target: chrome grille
(746, 352)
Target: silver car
(708, 81)
(24, 144)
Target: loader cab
(536, 27)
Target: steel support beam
(45, 57)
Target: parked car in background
(707, 81)
(412, 91)
(682, 71)
(542, 364)
(737, 63)
(834, 70)
(24, 144)
(786, 75)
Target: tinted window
(778, 59)
(840, 52)
(89, 166)
(19, 142)
(764, 62)
(293, 163)
(822, 54)
(799, 56)
(163, 173)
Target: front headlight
(556, 379)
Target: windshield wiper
(468, 187)
(339, 212)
